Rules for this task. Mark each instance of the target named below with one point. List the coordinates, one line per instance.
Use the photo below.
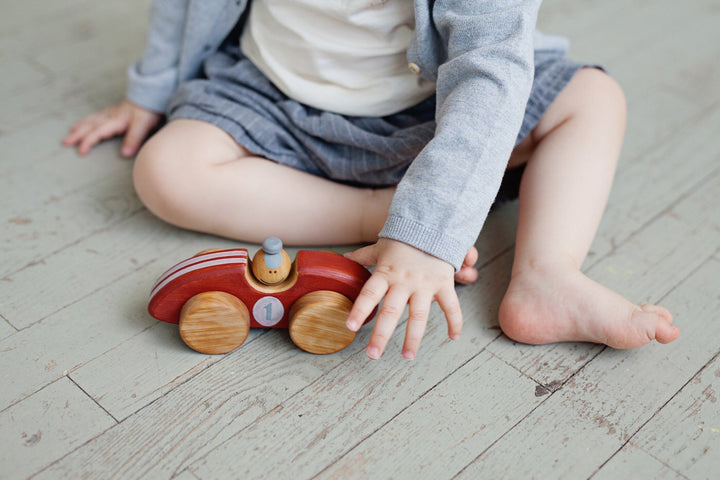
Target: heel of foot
(519, 323)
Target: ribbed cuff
(431, 241)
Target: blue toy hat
(272, 246)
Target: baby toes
(655, 322)
(666, 333)
(663, 312)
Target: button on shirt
(345, 56)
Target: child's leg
(192, 174)
(571, 161)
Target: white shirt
(344, 56)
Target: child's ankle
(544, 264)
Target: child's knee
(157, 179)
(592, 97)
(601, 92)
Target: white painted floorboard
(92, 387)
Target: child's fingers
(471, 257)
(392, 309)
(72, 137)
(103, 131)
(467, 275)
(372, 292)
(80, 130)
(450, 305)
(417, 321)
(91, 119)
(136, 134)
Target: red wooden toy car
(217, 295)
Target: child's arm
(483, 84)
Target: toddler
(389, 122)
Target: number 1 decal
(268, 311)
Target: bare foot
(560, 304)
(468, 273)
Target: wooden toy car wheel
(214, 322)
(317, 322)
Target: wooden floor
(92, 387)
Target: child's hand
(115, 120)
(404, 275)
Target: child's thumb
(366, 256)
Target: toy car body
(215, 298)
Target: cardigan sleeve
(483, 84)
(153, 79)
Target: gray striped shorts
(366, 151)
